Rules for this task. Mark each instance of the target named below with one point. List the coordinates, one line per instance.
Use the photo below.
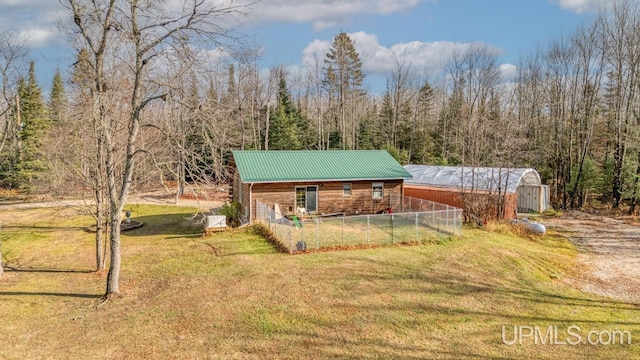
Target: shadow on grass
(42, 227)
(22, 293)
(176, 225)
(326, 348)
(35, 270)
(448, 304)
(452, 284)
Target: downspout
(250, 203)
(402, 196)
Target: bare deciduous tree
(12, 63)
(139, 34)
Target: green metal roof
(314, 165)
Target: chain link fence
(428, 222)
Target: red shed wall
(453, 197)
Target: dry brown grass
(232, 295)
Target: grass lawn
(232, 295)
(354, 231)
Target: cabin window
(307, 198)
(378, 190)
(346, 189)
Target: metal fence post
(368, 226)
(317, 237)
(455, 222)
(290, 239)
(392, 228)
(343, 230)
(417, 238)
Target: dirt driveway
(609, 250)
(152, 199)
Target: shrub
(232, 212)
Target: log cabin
(311, 182)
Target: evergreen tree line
(571, 111)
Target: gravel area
(609, 251)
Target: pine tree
(425, 132)
(386, 119)
(343, 82)
(30, 165)
(198, 145)
(81, 77)
(307, 135)
(57, 99)
(365, 136)
(283, 132)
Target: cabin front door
(307, 198)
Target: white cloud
(582, 6)
(425, 58)
(508, 72)
(27, 4)
(35, 20)
(214, 57)
(38, 37)
(327, 13)
(38, 19)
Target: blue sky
(419, 33)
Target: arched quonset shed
(521, 187)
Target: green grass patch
(233, 295)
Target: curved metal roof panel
(472, 178)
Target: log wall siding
(246, 199)
(330, 196)
(241, 195)
(237, 189)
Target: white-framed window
(377, 190)
(346, 189)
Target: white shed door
(528, 198)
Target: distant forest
(135, 112)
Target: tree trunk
(1, 266)
(100, 255)
(634, 197)
(113, 278)
(617, 176)
(266, 126)
(578, 177)
(181, 174)
(99, 197)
